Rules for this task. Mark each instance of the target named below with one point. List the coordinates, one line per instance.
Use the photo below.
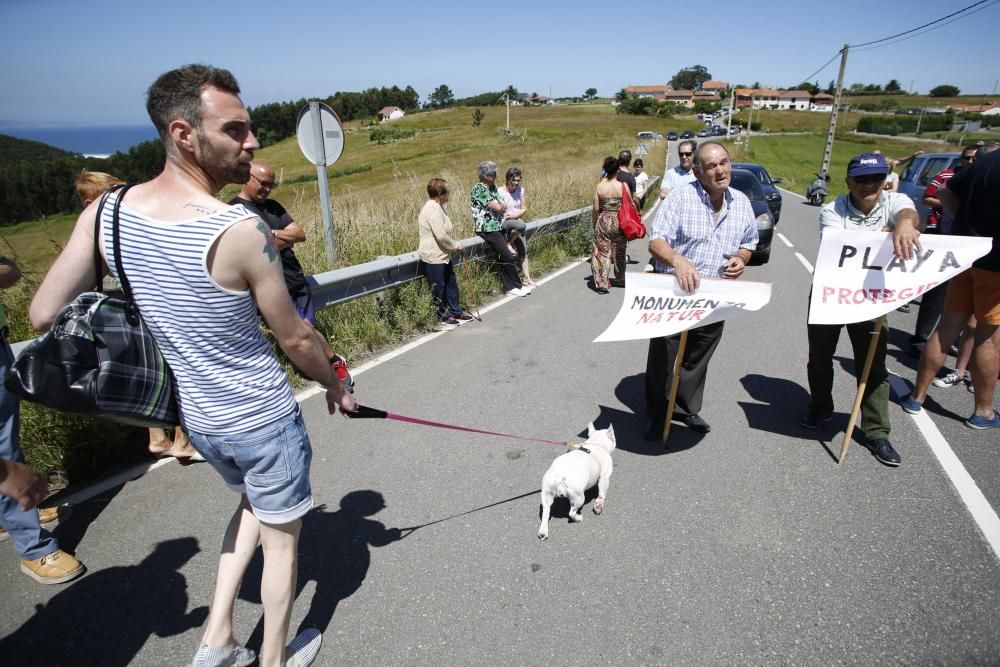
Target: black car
(747, 183)
(769, 184)
(671, 136)
(687, 134)
(718, 131)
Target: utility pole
(920, 119)
(828, 151)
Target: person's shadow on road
(333, 552)
(105, 618)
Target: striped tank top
(228, 379)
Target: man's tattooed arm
(270, 244)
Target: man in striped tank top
(200, 271)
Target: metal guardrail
(378, 275)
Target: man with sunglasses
(866, 208)
(682, 173)
(287, 233)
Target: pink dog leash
(364, 412)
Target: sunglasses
(265, 184)
(689, 154)
(870, 178)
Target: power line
(881, 44)
(830, 61)
(885, 39)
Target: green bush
(389, 135)
(893, 125)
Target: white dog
(572, 473)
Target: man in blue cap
(866, 208)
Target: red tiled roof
(796, 93)
(385, 111)
(713, 84)
(645, 89)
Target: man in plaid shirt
(702, 229)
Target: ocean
(94, 140)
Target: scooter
(816, 192)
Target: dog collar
(584, 449)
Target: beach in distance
(92, 140)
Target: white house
(794, 100)
(765, 98)
(390, 113)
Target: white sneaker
(444, 326)
(949, 380)
(526, 289)
(517, 291)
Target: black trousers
(701, 344)
(508, 260)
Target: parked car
(747, 183)
(734, 129)
(718, 131)
(705, 132)
(671, 136)
(687, 134)
(647, 136)
(919, 172)
(771, 192)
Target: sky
(83, 63)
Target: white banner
(858, 278)
(654, 305)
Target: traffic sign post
(321, 139)
(640, 150)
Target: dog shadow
(106, 617)
(334, 552)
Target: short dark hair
(177, 94)
(437, 187)
(610, 166)
(690, 142)
(624, 158)
(513, 172)
(638, 162)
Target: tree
(944, 90)
(441, 97)
(590, 93)
(893, 86)
(831, 88)
(690, 78)
(477, 117)
(511, 92)
(805, 85)
(621, 96)
(756, 84)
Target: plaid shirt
(686, 220)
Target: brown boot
(56, 568)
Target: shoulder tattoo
(270, 244)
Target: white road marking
(785, 240)
(805, 262)
(982, 513)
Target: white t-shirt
(841, 213)
(640, 184)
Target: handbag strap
(98, 260)
(131, 309)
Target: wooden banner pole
(861, 389)
(675, 381)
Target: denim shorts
(270, 465)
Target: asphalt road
(747, 546)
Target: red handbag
(629, 220)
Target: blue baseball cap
(867, 164)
